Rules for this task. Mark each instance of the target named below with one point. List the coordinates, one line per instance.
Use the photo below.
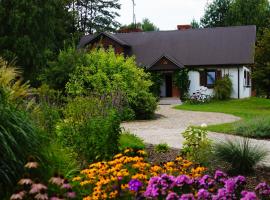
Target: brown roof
(193, 47)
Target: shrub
(257, 127)
(181, 80)
(223, 88)
(128, 140)
(144, 105)
(162, 148)
(157, 80)
(106, 72)
(241, 154)
(197, 147)
(200, 96)
(90, 128)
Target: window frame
(206, 78)
(247, 78)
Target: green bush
(90, 129)
(257, 127)
(108, 73)
(144, 105)
(128, 140)
(197, 147)
(241, 154)
(157, 80)
(181, 80)
(162, 148)
(223, 88)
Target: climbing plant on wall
(181, 80)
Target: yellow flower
(118, 155)
(113, 194)
(77, 178)
(142, 152)
(87, 198)
(124, 186)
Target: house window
(247, 79)
(210, 78)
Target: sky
(165, 14)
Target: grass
(128, 140)
(247, 109)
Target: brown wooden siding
(164, 64)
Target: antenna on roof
(134, 16)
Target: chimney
(184, 27)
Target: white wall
(194, 77)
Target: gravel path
(169, 124)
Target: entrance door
(168, 81)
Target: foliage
(223, 88)
(216, 13)
(18, 138)
(91, 16)
(147, 25)
(57, 74)
(89, 123)
(29, 186)
(200, 96)
(181, 80)
(242, 155)
(33, 37)
(129, 140)
(156, 78)
(249, 12)
(162, 148)
(11, 83)
(194, 24)
(261, 71)
(197, 147)
(247, 109)
(144, 105)
(257, 127)
(106, 73)
(114, 179)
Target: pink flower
(17, 195)
(71, 194)
(66, 185)
(37, 187)
(25, 181)
(42, 196)
(31, 165)
(56, 180)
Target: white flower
(203, 125)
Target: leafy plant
(241, 154)
(181, 80)
(129, 140)
(223, 88)
(200, 96)
(197, 147)
(156, 78)
(107, 73)
(90, 128)
(258, 127)
(162, 148)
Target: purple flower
(203, 194)
(182, 180)
(172, 196)
(248, 195)
(221, 195)
(206, 182)
(240, 180)
(220, 175)
(263, 189)
(187, 197)
(230, 185)
(134, 185)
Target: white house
(208, 53)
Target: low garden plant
(129, 140)
(241, 154)
(196, 146)
(162, 148)
(223, 88)
(199, 97)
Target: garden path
(169, 124)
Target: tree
(32, 31)
(92, 16)
(147, 25)
(249, 12)
(261, 72)
(216, 13)
(194, 24)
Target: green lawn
(247, 109)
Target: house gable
(164, 63)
